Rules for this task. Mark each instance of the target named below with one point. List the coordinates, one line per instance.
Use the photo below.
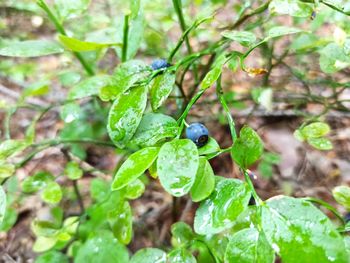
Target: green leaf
(333, 58)
(71, 112)
(125, 115)
(298, 230)
(44, 243)
(291, 7)
(315, 130)
(182, 233)
(161, 87)
(134, 189)
(205, 181)
(67, 9)
(323, 144)
(279, 31)
(80, 46)
(342, 195)
(134, 167)
(153, 128)
(125, 76)
(180, 255)
(220, 210)
(248, 245)
(210, 147)
(9, 219)
(99, 189)
(120, 220)
(52, 257)
(52, 193)
(73, 171)
(177, 165)
(211, 77)
(245, 38)
(10, 148)
(2, 204)
(248, 148)
(36, 182)
(90, 86)
(6, 170)
(149, 255)
(36, 89)
(31, 48)
(108, 248)
(69, 78)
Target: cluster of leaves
(226, 228)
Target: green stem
(252, 189)
(60, 29)
(222, 100)
(125, 38)
(326, 205)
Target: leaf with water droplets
(125, 115)
(31, 48)
(149, 255)
(298, 230)
(180, 255)
(249, 245)
(161, 87)
(205, 181)
(153, 128)
(120, 220)
(219, 211)
(177, 165)
(134, 166)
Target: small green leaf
(134, 189)
(248, 148)
(36, 182)
(108, 248)
(2, 204)
(125, 115)
(291, 7)
(69, 78)
(323, 144)
(125, 76)
(71, 112)
(245, 38)
(36, 89)
(73, 171)
(315, 130)
(153, 128)
(210, 147)
(220, 210)
(120, 220)
(279, 31)
(333, 58)
(161, 87)
(342, 195)
(79, 46)
(211, 77)
(248, 245)
(99, 189)
(6, 170)
(177, 165)
(52, 257)
(9, 219)
(52, 193)
(90, 86)
(149, 255)
(205, 181)
(67, 9)
(10, 148)
(180, 255)
(134, 167)
(182, 233)
(31, 48)
(296, 229)
(44, 243)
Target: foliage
(129, 106)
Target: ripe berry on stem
(160, 64)
(197, 133)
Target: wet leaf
(10, 148)
(52, 257)
(180, 255)
(67, 9)
(125, 115)
(182, 233)
(134, 167)
(342, 195)
(6, 170)
(79, 46)
(134, 189)
(211, 77)
(52, 193)
(291, 7)
(245, 38)
(31, 48)
(120, 219)
(296, 229)
(315, 130)
(36, 182)
(248, 245)
(205, 181)
(149, 255)
(161, 88)
(73, 171)
(321, 143)
(279, 31)
(210, 147)
(177, 165)
(219, 211)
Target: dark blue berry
(160, 64)
(197, 133)
(347, 217)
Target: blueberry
(347, 217)
(197, 133)
(160, 64)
